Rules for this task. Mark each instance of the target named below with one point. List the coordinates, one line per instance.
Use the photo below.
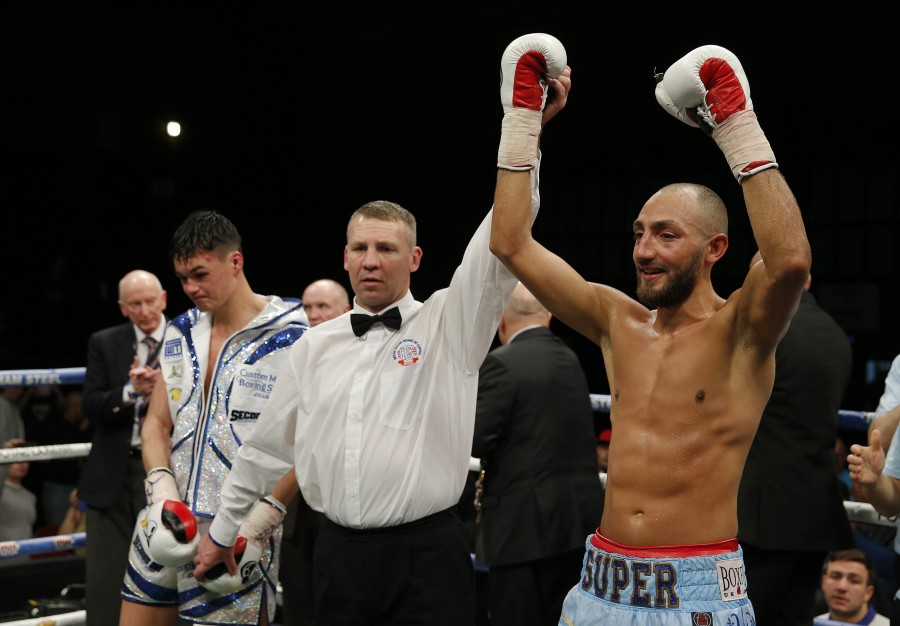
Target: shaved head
(706, 205)
(138, 278)
(142, 299)
(323, 300)
(522, 310)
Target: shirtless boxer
(689, 371)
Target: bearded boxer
(380, 426)
(218, 363)
(689, 370)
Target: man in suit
(534, 434)
(119, 377)
(790, 508)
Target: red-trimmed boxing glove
(168, 526)
(523, 93)
(262, 520)
(247, 555)
(708, 89)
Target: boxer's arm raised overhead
(530, 66)
(708, 88)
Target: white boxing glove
(707, 88)
(265, 516)
(168, 526)
(523, 94)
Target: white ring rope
(44, 453)
(76, 618)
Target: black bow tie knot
(361, 322)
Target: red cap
(604, 436)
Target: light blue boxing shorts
(147, 582)
(691, 585)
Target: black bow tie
(362, 323)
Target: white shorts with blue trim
(147, 582)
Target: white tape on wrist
(160, 485)
(265, 516)
(519, 136)
(744, 145)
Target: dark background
(294, 115)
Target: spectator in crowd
(534, 434)
(41, 406)
(322, 300)
(840, 467)
(12, 426)
(875, 477)
(219, 363)
(890, 397)
(848, 584)
(75, 520)
(60, 476)
(18, 509)
(790, 507)
(377, 418)
(603, 440)
(119, 377)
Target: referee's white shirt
(379, 427)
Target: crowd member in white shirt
(379, 422)
(848, 584)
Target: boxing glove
(708, 89)
(247, 555)
(265, 516)
(168, 526)
(523, 94)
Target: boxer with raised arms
(689, 370)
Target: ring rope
(44, 453)
(42, 545)
(52, 376)
(75, 618)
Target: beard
(676, 290)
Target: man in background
(603, 440)
(534, 434)
(118, 379)
(848, 583)
(790, 506)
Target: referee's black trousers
(419, 573)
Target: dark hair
(852, 554)
(204, 231)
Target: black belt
(135, 452)
(447, 517)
